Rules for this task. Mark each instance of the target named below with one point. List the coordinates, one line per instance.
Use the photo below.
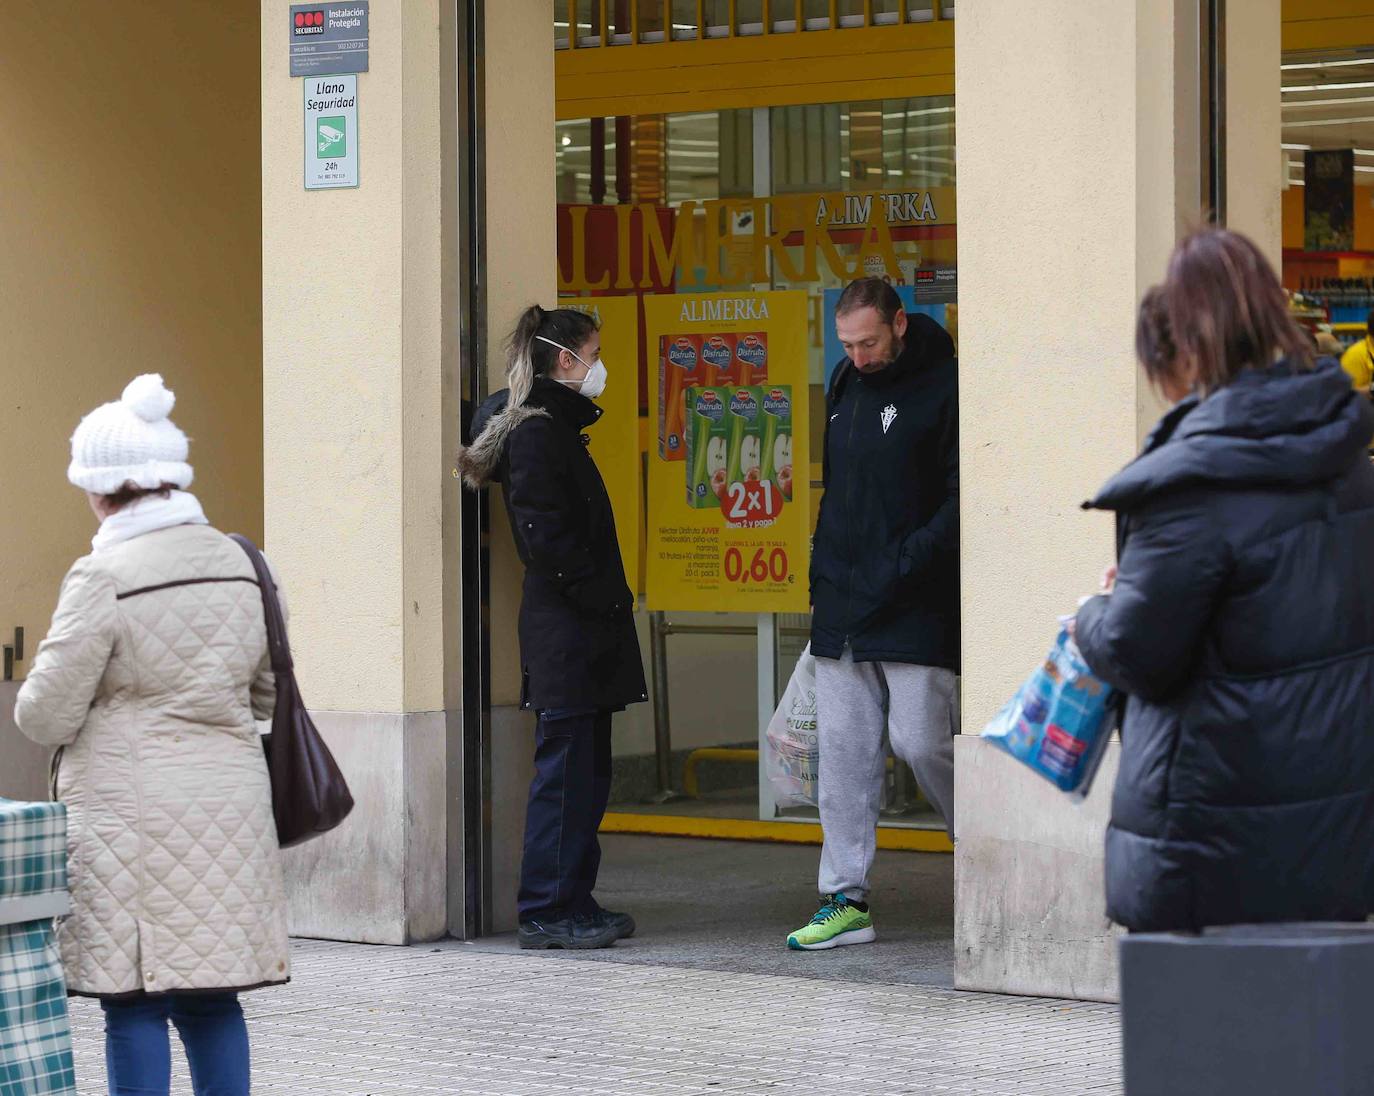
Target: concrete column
(354, 402)
(1254, 124)
(1077, 164)
(522, 269)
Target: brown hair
(1154, 339)
(1227, 311)
(869, 293)
(132, 492)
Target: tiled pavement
(369, 1021)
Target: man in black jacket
(884, 589)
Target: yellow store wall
(129, 242)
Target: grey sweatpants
(856, 702)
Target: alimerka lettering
(787, 236)
(723, 309)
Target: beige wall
(522, 254)
(1254, 160)
(354, 386)
(356, 402)
(522, 269)
(129, 228)
(1104, 143)
(1048, 280)
(1050, 274)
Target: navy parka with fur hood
(1242, 629)
(578, 648)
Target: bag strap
(277, 646)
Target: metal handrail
(660, 628)
(668, 628)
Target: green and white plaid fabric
(35, 1032)
(33, 849)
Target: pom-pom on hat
(131, 441)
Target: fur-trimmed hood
(491, 426)
(494, 423)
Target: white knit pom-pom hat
(131, 441)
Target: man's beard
(893, 352)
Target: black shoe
(622, 923)
(572, 933)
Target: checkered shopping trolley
(35, 1034)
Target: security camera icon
(329, 137)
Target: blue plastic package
(1059, 721)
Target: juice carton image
(707, 446)
(718, 360)
(777, 436)
(745, 437)
(679, 368)
(751, 359)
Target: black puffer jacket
(885, 560)
(1242, 628)
(578, 647)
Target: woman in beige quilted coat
(148, 685)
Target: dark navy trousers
(568, 797)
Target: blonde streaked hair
(528, 357)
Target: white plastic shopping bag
(793, 744)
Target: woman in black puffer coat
(579, 653)
(1241, 623)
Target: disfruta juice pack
(702, 361)
(707, 445)
(751, 359)
(679, 368)
(717, 360)
(777, 436)
(744, 442)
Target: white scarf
(147, 515)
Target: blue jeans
(138, 1054)
(568, 796)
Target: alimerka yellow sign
(614, 438)
(732, 240)
(728, 519)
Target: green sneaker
(836, 923)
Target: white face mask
(594, 382)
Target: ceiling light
(1327, 64)
(1349, 100)
(566, 140)
(1328, 122)
(1330, 87)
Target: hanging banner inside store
(728, 521)
(331, 132)
(743, 240)
(615, 436)
(328, 39)
(1329, 200)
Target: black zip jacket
(578, 647)
(885, 559)
(1242, 629)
